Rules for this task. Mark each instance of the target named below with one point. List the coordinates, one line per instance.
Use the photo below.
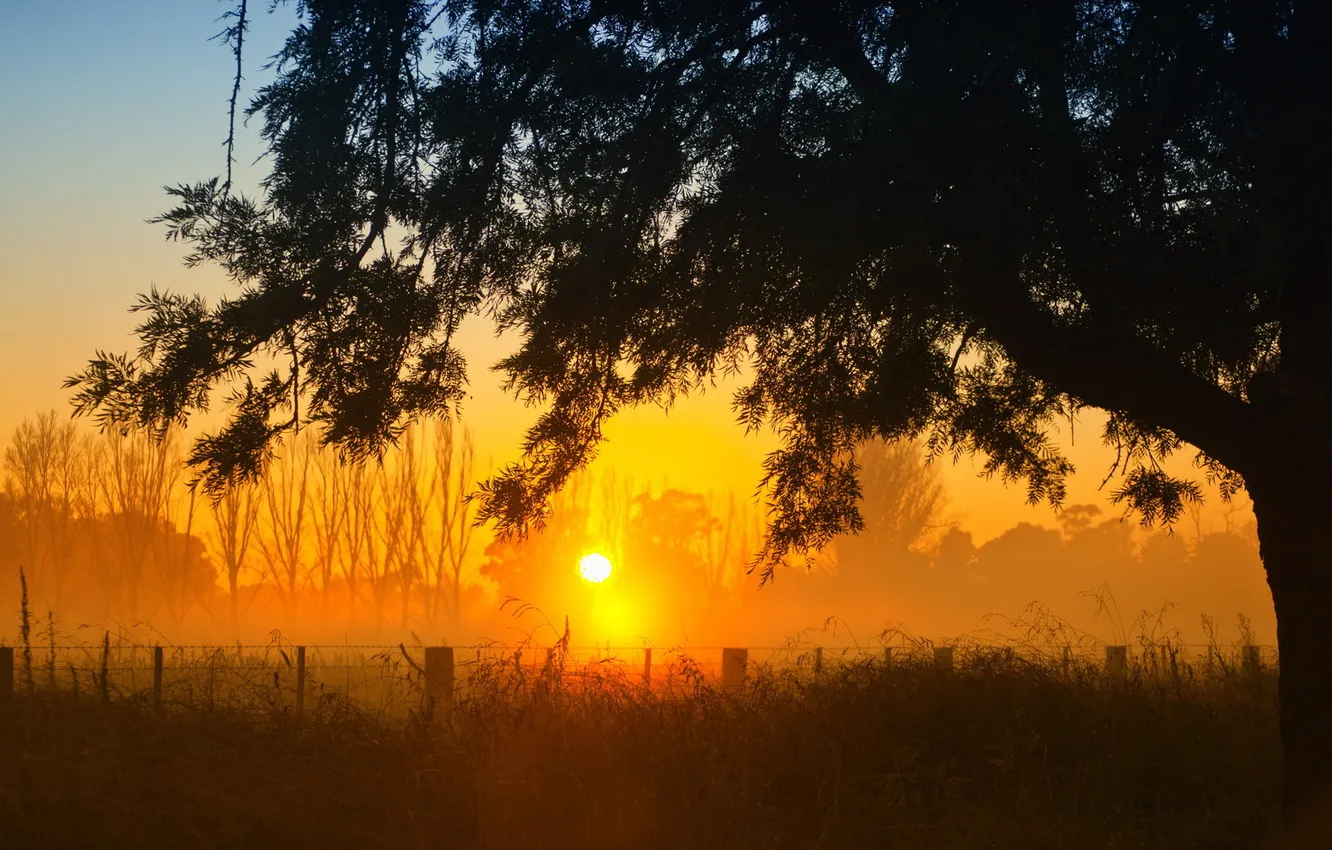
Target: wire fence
(391, 678)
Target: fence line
(385, 675)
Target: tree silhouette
(450, 482)
(43, 469)
(235, 516)
(961, 220)
(901, 498)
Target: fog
(110, 537)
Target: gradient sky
(103, 103)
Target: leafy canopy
(959, 220)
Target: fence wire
(391, 678)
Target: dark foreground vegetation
(996, 754)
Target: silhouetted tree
(235, 516)
(327, 520)
(285, 510)
(403, 507)
(451, 482)
(1076, 519)
(541, 568)
(177, 556)
(360, 534)
(961, 219)
(956, 554)
(44, 467)
(900, 503)
(135, 486)
(731, 540)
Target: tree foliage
(954, 220)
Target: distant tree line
(105, 526)
(107, 531)
(915, 565)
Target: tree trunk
(1295, 531)
(406, 600)
(233, 578)
(457, 595)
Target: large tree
(960, 220)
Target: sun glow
(595, 568)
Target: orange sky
(82, 163)
(53, 326)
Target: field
(1003, 750)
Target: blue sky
(105, 102)
(101, 103)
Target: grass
(995, 754)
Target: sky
(102, 104)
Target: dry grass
(997, 754)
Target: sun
(595, 568)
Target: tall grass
(1000, 752)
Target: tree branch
(1105, 366)
(1110, 368)
(239, 31)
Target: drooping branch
(1110, 368)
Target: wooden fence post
(818, 661)
(734, 662)
(1116, 661)
(6, 677)
(1067, 660)
(943, 657)
(439, 677)
(157, 677)
(104, 679)
(300, 682)
(647, 667)
(1252, 661)
(887, 658)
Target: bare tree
(358, 531)
(901, 497)
(616, 499)
(28, 480)
(366, 557)
(404, 521)
(450, 482)
(174, 558)
(330, 516)
(42, 466)
(71, 471)
(286, 495)
(730, 541)
(90, 506)
(235, 516)
(135, 484)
